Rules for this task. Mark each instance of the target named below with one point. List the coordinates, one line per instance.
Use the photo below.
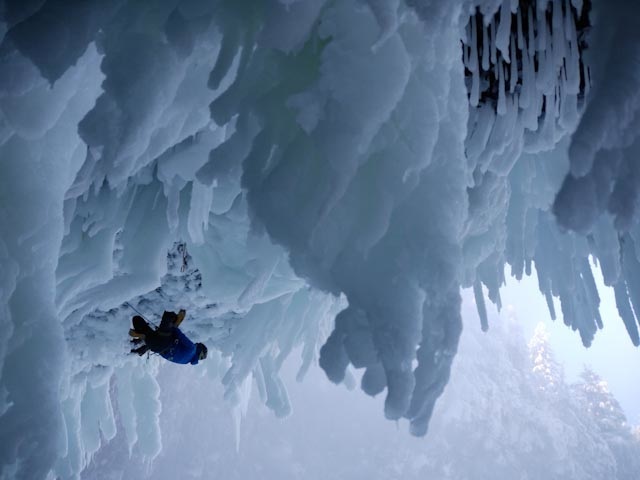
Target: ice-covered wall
(271, 166)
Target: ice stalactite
(346, 245)
(598, 196)
(537, 51)
(534, 80)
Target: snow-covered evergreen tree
(547, 371)
(600, 404)
(603, 410)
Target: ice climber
(167, 340)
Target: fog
(499, 418)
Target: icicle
(549, 79)
(473, 55)
(480, 305)
(572, 59)
(527, 80)
(545, 80)
(569, 24)
(492, 32)
(540, 74)
(587, 79)
(591, 290)
(572, 65)
(558, 35)
(467, 32)
(466, 41)
(631, 269)
(513, 80)
(598, 319)
(550, 306)
(502, 105)
(625, 311)
(532, 112)
(521, 44)
(465, 56)
(547, 132)
(474, 99)
(542, 32)
(539, 104)
(504, 29)
(557, 17)
(531, 33)
(513, 123)
(485, 48)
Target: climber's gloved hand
(180, 317)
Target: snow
(310, 176)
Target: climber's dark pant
(155, 340)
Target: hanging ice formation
(526, 74)
(316, 157)
(528, 91)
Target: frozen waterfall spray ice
(342, 129)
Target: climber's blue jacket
(182, 350)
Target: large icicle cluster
(350, 175)
(529, 56)
(293, 148)
(599, 196)
(527, 78)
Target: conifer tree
(602, 408)
(601, 405)
(547, 371)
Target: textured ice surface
(273, 166)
